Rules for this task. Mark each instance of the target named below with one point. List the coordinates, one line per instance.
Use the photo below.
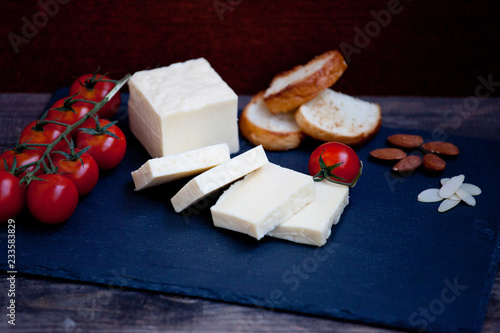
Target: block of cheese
(182, 107)
(312, 224)
(162, 170)
(218, 177)
(263, 200)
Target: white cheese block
(262, 200)
(312, 224)
(182, 107)
(165, 169)
(218, 177)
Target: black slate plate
(390, 261)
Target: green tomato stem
(119, 84)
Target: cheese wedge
(182, 107)
(165, 169)
(263, 200)
(218, 177)
(312, 224)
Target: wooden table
(52, 305)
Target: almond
(433, 162)
(388, 154)
(407, 141)
(408, 163)
(440, 147)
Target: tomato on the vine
(53, 199)
(23, 155)
(95, 87)
(12, 196)
(335, 162)
(106, 139)
(79, 167)
(42, 132)
(68, 111)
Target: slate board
(390, 260)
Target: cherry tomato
(12, 196)
(81, 170)
(107, 151)
(90, 87)
(332, 153)
(53, 199)
(23, 156)
(67, 111)
(39, 131)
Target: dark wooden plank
(427, 48)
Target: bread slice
(272, 131)
(333, 116)
(291, 89)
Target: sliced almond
(407, 141)
(466, 197)
(471, 188)
(433, 162)
(408, 163)
(443, 181)
(441, 147)
(429, 195)
(447, 204)
(451, 186)
(388, 154)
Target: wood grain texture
(428, 47)
(51, 305)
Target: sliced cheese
(165, 169)
(218, 177)
(312, 224)
(263, 200)
(182, 107)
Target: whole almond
(388, 154)
(433, 162)
(440, 147)
(408, 163)
(407, 141)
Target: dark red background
(431, 48)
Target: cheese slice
(218, 177)
(312, 224)
(182, 107)
(263, 200)
(165, 169)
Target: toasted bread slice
(333, 116)
(272, 131)
(291, 89)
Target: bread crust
(320, 134)
(304, 90)
(270, 140)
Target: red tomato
(39, 131)
(83, 173)
(346, 172)
(53, 199)
(23, 156)
(107, 151)
(67, 111)
(12, 196)
(90, 87)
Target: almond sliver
(447, 204)
(429, 195)
(471, 188)
(466, 197)
(444, 181)
(451, 186)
